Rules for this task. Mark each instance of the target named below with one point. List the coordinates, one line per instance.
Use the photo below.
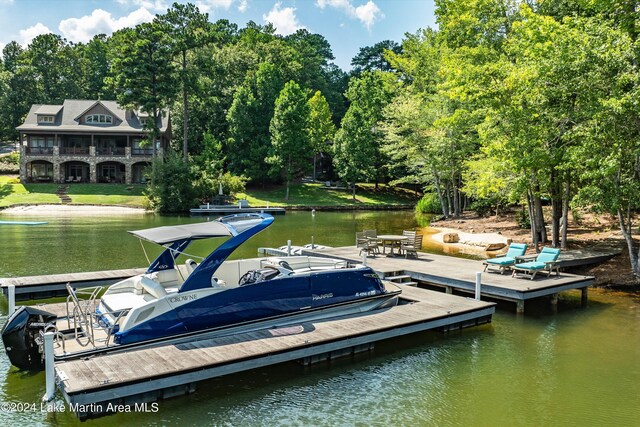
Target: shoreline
(55, 210)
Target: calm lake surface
(580, 366)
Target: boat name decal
(179, 298)
(322, 296)
(374, 275)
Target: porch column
(23, 159)
(128, 169)
(93, 172)
(57, 173)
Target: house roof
(69, 113)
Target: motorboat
(175, 301)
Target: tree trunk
(532, 220)
(557, 208)
(314, 166)
(443, 203)
(185, 106)
(286, 194)
(626, 226)
(566, 196)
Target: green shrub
(430, 203)
(482, 207)
(9, 168)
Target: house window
(45, 119)
(99, 119)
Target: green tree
(188, 30)
(143, 73)
(357, 147)
(321, 128)
(289, 132)
(371, 58)
(18, 90)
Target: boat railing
(83, 313)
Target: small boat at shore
(180, 301)
(23, 222)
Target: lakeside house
(87, 141)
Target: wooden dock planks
(460, 273)
(110, 376)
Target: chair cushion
(501, 261)
(533, 265)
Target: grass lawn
(318, 195)
(12, 192)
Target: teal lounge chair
(547, 260)
(508, 260)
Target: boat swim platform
(150, 374)
(459, 274)
(52, 285)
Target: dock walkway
(149, 374)
(452, 273)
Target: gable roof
(93, 106)
(69, 112)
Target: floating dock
(450, 273)
(459, 274)
(52, 285)
(233, 209)
(146, 375)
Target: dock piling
(364, 258)
(288, 247)
(11, 297)
(49, 367)
(478, 284)
(313, 246)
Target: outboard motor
(21, 337)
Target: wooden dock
(452, 273)
(232, 209)
(51, 285)
(147, 375)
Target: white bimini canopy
(173, 233)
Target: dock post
(585, 294)
(11, 297)
(364, 259)
(520, 306)
(267, 204)
(288, 247)
(478, 284)
(49, 367)
(313, 246)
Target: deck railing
(40, 150)
(110, 151)
(142, 151)
(74, 150)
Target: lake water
(580, 366)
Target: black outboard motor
(21, 337)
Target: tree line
(532, 102)
(507, 102)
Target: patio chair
(372, 235)
(69, 179)
(547, 260)
(411, 245)
(508, 260)
(365, 244)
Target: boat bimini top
(176, 238)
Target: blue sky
(346, 24)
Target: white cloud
(100, 21)
(155, 5)
(368, 13)
(30, 33)
(284, 19)
(243, 6)
(207, 5)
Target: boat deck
(154, 373)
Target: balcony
(142, 151)
(110, 151)
(40, 151)
(74, 151)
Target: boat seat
(146, 284)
